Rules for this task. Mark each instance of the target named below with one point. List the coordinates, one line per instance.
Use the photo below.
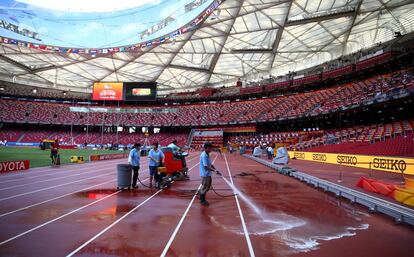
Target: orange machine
(174, 168)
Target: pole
(87, 123)
(71, 126)
(340, 173)
(118, 121)
(103, 122)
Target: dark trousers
(205, 185)
(135, 176)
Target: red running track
(76, 211)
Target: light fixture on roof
(1, 88)
(64, 93)
(34, 91)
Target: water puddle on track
(300, 225)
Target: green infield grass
(39, 158)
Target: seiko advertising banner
(389, 163)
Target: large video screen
(140, 91)
(109, 91)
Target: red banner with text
(14, 166)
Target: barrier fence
(382, 163)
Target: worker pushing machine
(206, 167)
(177, 152)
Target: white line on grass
(246, 233)
(167, 246)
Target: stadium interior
(317, 78)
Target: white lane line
(170, 241)
(2, 199)
(117, 221)
(113, 224)
(58, 197)
(52, 199)
(60, 169)
(52, 174)
(47, 188)
(51, 179)
(167, 247)
(57, 218)
(246, 233)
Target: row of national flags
(136, 47)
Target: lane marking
(49, 174)
(113, 224)
(167, 246)
(60, 185)
(52, 199)
(246, 233)
(57, 218)
(58, 197)
(117, 221)
(170, 241)
(51, 179)
(23, 208)
(59, 169)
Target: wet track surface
(77, 210)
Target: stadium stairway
(21, 136)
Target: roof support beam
(351, 25)
(278, 38)
(173, 66)
(217, 55)
(18, 64)
(320, 18)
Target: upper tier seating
(283, 107)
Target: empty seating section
(392, 139)
(285, 138)
(36, 136)
(14, 111)
(11, 135)
(282, 107)
(65, 137)
(202, 136)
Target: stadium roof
(227, 40)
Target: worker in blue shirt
(206, 167)
(156, 158)
(134, 160)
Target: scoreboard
(124, 91)
(140, 91)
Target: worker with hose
(156, 158)
(133, 160)
(206, 167)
